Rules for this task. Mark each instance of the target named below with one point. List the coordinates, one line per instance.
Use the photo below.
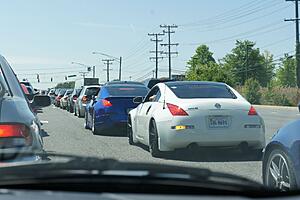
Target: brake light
(176, 110)
(84, 99)
(106, 103)
(252, 111)
(16, 131)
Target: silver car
(84, 97)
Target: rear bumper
(170, 139)
(108, 122)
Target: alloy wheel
(278, 173)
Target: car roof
(125, 85)
(178, 83)
(124, 82)
(91, 86)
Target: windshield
(92, 91)
(201, 84)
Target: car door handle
(148, 110)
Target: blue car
(281, 161)
(109, 110)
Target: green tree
(252, 91)
(70, 84)
(247, 62)
(286, 74)
(203, 67)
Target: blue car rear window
(127, 91)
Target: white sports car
(186, 114)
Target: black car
(20, 128)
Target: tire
(75, 110)
(153, 140)
(86, 122)
(257, 154)
(286, 176)
(93, 127)
(79, 114)
(71, 109)
(130, 133)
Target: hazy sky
(44, 37)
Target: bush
(252, 91)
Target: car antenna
(164, 103)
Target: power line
(234, 15)
(156, 40)
(241, 22)
(169, 44)
(230, 38)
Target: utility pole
(94, 71)
(296, 20)
(83, 74)
(169, 44)
(156, 40)
(120, 68)
(107, 62)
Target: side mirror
(41, 101)
(138, 100)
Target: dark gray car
(20, 128)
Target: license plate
(218, 122)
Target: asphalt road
(65, 134)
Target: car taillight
(16, 131)
(176, 110)
(84, 99)
(252, 111)
(106, 103)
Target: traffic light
(66, 78)
(51, 79)
(38, 78)
(89, 69)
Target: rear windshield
(127, 91)
(61, 92)
(92, 91)
(68, 92)
(78, 91)
(191, 91)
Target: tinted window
(202, 91)
(91, 91)
(62, 92)
(129, 91)
(68, 92)
(78, 91)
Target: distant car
(19, 127)
(84, 97)
(64, 99)
(72, 99)
(123, 82)
(109, 111)
(177, 115)
(152, 81)
(51, 94)
(60, 94)
(281, 169)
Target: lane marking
(44, 122)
